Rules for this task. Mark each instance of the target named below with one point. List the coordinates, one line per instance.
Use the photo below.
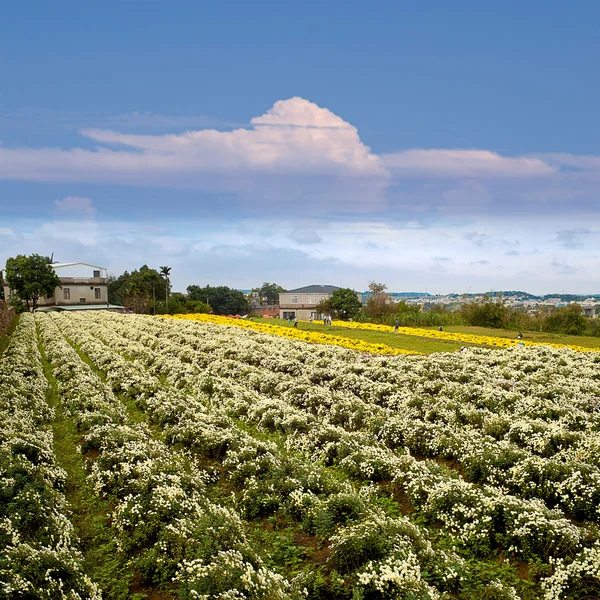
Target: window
(294, 299)
(67, 293)
(81, 300)
(96, 273)
(97, 293)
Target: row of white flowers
(353, 413)
(490, 414)
(306, 490)
(162, 519)
(186, 354)
(38, 547)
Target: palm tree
(165, 271)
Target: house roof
(71, 264)
(314, 289)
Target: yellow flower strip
(313, 337)
(467, 338)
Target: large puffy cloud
(294, 137)
(300, 158)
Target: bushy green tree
(345, 304)
(566, 319)
(222, 299)
(138, 290)
(180, 304)
(489, 313)
(269, 292)
(31, 277)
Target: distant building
(302, 302)
(260, 306)
(81, 284)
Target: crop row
(38, 547)
(512, 446)
(165, 527)
(475, 515)
(373, 549)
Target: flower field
(232, 463)
(313, 337)
(467, 338)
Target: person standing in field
(295, 321)
(396, 325)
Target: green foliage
(566, 319)
(17, 304)
(180, 304)
(31, 277)
(222, 299)
(379, 302)
(345, 304)
(490, 313)
(269, 293)
(139, 290)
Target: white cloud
(294, 137)
(303, 159)
(351, 254)
(461, 163)
(295, 152)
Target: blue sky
(439, 146)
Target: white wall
(78, 271)
(81, 291)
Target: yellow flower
(468, 338)
(313, 337)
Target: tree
(31, 277)
(324, 307)
(138, 289)
(117, 288)
(178, 304)
(377, 289)
(222, 299)
(345, 303)
(269, 292)
(165, 271)
(567, 319)
(379, 302)
(489, 313)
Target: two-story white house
(81, 284)
(302, 302)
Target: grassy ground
(533, 336)
(426, 345)
(89, 513)
(407, 342)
